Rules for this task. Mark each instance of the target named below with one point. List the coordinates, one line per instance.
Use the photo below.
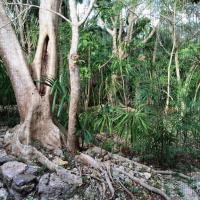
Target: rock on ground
(17, 177)
(11, 169)
(52, 187)
(3, 194)
(187, 192)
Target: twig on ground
(126, 190)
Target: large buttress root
(42, 127)
(17, 141)
(37, 125)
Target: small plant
(178, 190)
(42, 170)
(130, 123)
(108, 145)
(136, 190)
(29, 198)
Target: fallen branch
(112, 190)
(88, 160)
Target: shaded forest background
(142, 93)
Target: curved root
(149, 169)
(88, 160)
(27, 152)
(143, 184)
(103, 167)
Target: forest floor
(109, 176)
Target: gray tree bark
(72, 138)
(33, 101)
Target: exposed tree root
(16, 143)
(28, 152)
(140, 166)
(149, 169)
(103, 167)
(143, 184)
(172, 173)
(126, 190)
(115, 158)
(88, 160)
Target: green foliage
(160, 142)
(32, 36)
(108, 145)
(191, 50)
(104, 121)
(60, 93)
(131, 124)
(127, 97)
(6, 91)
(29, 198)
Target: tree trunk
(155, 49)
(33, 101)
(72, 140)
(170, 60)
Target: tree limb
(150, 35)
(35, 6)
(110, 31)
(21, 13)
(92, 2)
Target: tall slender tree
(72, 139)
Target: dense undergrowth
(125, 99)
